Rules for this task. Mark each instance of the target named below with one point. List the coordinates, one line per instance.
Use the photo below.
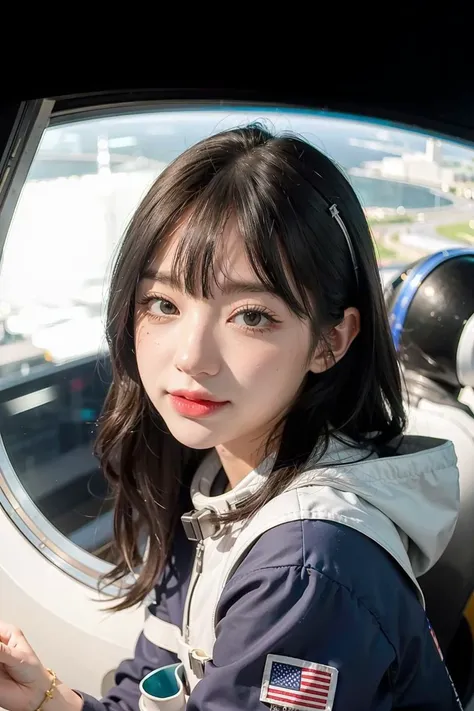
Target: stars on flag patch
(290, 683)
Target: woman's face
(222, 370)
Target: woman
(255, 383)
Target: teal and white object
(164, 689)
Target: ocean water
(162, 135)
(378, 192)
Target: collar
(200, 523)
(205, 475)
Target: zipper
(196, 572)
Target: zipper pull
(199, 557)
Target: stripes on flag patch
(296, 684)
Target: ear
(340, 338)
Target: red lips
(195, 403)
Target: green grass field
(459, 231)
(390, 219)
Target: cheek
(279, 368)
(140, 329)
(147, 350)
(142, 338)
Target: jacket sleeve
(125, 694)
(300, 614)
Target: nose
(197, 352)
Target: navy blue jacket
(312, 590)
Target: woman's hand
(24, 680)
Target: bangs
(265, 233)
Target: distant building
(421, 168)
(434, 151)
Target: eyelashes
(149, 298)
(252, 314)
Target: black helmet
(431, 311)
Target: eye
(252, 319)
(158, 306)
(162, 307)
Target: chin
(193, 434)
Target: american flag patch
(291, 683)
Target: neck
(240, 457)
(236, 467)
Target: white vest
(358, 494)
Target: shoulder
(322, 545)
(337, 555)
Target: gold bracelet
(49, 694)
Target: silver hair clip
(334, 212)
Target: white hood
(417, 488)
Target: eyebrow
(230, 287)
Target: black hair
(279, 189)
